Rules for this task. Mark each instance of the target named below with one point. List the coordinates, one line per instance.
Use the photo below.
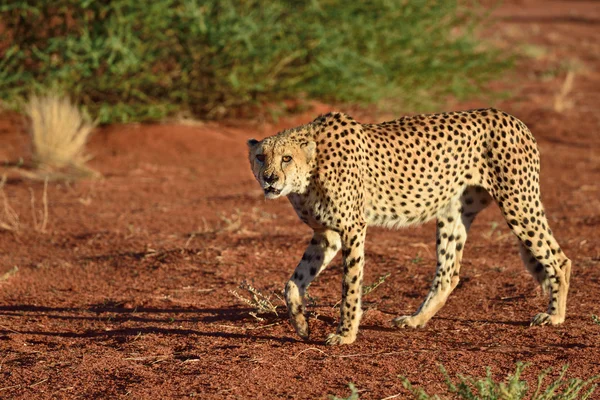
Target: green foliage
(513, 388)
(369, 288)
(353, 394)
(596, 319)
(130, 60)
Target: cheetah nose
(270, 178)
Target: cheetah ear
(309, 148)
(251, 143)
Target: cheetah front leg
(451, 235)
(322, 248)
(353, 248)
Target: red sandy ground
(127, 293)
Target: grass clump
(59, 132)
(513, 388)
(127, 60)
(10, 220)
(258, 301)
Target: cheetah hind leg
(554, 282)
(451, 234)
(543, 257)
(472, 201)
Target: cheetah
(342, 176)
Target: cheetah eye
(260, 157)
(286, 158)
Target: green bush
(514, 388)
(131, 60)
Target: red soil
(127, 293)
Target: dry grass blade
(38, 383)
(10, 220)
(305, 350)
(59, 133)
(561, 100)
(9, 273)
(40, 226)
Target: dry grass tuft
(257, 300)
(562, 102)
(40, 224)
(59, 132)
(10, 219)
(5, 276)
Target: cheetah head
(281, 165)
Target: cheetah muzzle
(342, 176)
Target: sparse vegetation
(596, 319)
(353, 394)
(514, 388)
(417, 260)
(369, 288)
(562, 101)
(258, 301)
(5, 276)
(59, 132)
(10, 220)
(40, 223)
(127, 60)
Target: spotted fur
(342, 176)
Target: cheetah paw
(301, 326)
(546, 319)
(335, 339)
(540, 319)
(407, 321)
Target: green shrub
(353, 394)
(514, 388)
(131, 60)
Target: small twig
(244, 328)
(391, 353)
(33, 213)
(38, 383)
(189, 360)
(8, 329)
(144, 358)
(45, 204)
(392, 397)
(263, 326)
(229, 326)
(12, 218)
(310, 348)
(4, 359)
(187, 242)
(10, 387)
